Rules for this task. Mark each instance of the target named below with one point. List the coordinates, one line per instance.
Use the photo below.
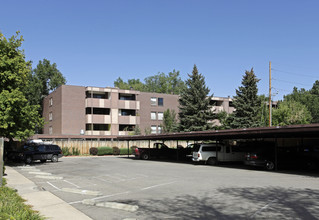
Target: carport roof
(296, 131)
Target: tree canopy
(291, 113)
(44, 79)
(170, 83)
(169, 121)
(194, 104)
(247, 103)
(309, 98)
(18, 118)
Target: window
(50, 130)
(160, 116)
(50, 101)
(127, 112)
(123, 96)
(97, 111)
(126, 127)
(97, 95)
(159, 129)
(41, 148)
(153, 101)
(211, 148)
(153, 129)
(97, 127)
(160, 101)
(50, 116)
(153, 115)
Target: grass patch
(12, 206)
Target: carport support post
(128, 148)
(1, 160)
(149, 147)
(276, 159)
(177, 149)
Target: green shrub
(12, 206)
(66, 151)
(116, 151)
(104, 151)
(93, 151)
(123, 151)
(75, 151)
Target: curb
(48, 205)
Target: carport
(288, 136)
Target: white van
(213, 153)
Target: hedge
(104, 151)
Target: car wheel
(310, 165)
(54, 158)
(43, 161)
(212, 161)
(270, 165)
(145, 157)
(28, 159)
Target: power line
(293, 83)
(298, 74)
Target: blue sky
(95, 42)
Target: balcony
(127, 104)
(131, 120)
(98, 119)
(99, 103)
(97, 132)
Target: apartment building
(78, 110)
(105, 113)
(152, 110)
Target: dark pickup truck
(160, 150)
(31, 152)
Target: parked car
(214, 153)
(310, 157)
(159, 150)
(32, 152)
(162, 151)
(265, 156)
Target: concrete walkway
(49, 205)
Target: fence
(84, 146)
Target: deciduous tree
(18, 118)
(291, 113)
(45, 78)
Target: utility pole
(270, 104)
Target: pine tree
(247, 103)
(195, 109)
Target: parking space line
(40, 173)
(49, 177)
(72, 184)
(102, 197)
(263, 208)
(82, 191)
(102, 180)
(163, 184)
(53, 185)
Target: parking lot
(126, 188)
